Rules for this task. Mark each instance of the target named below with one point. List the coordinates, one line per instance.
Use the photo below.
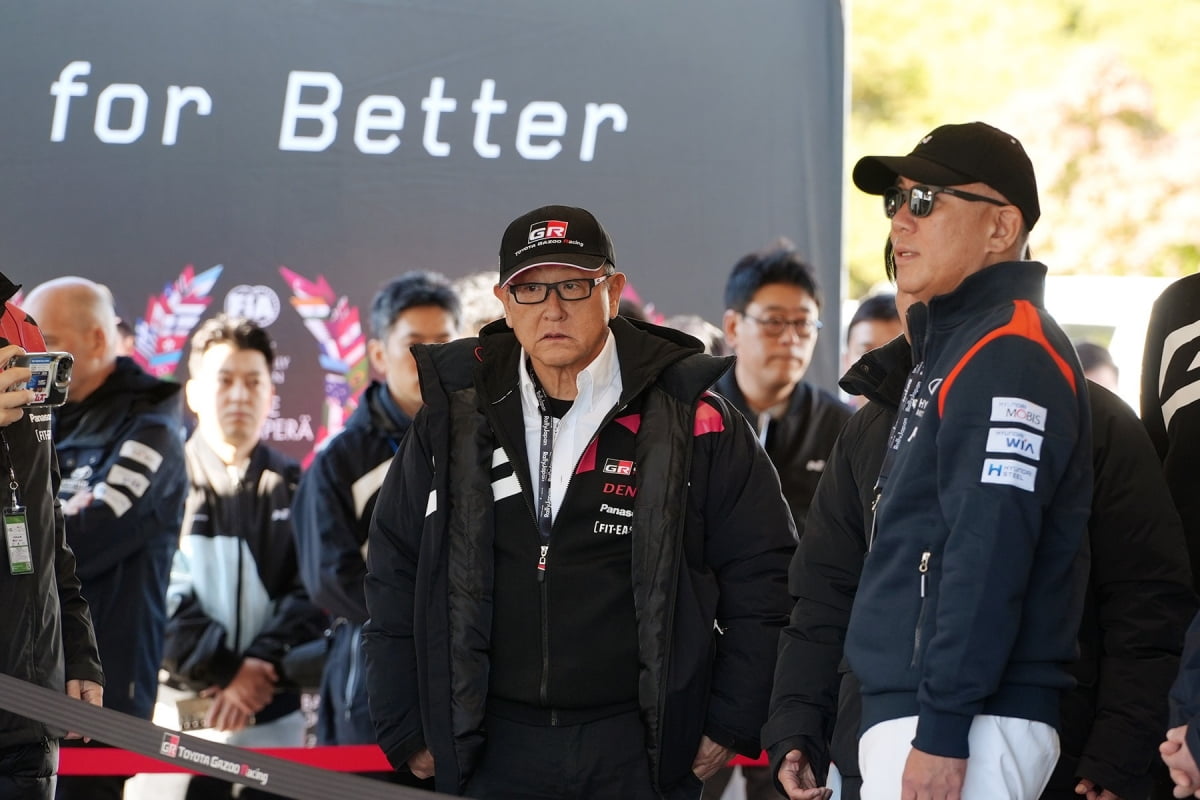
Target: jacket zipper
(874, 519)
(352, 677)
(923, 569)
(544, 688)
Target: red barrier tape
(345, 758)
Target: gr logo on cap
(550, 229)
(562, 236)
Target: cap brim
(874, 174)
(576, 260)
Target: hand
(253, 686)
(77, 503)
(11, 402)
(1094, 792)
(421, 764)
(85, 690)
(930, 777)
(225, 714)
(1180, 763)
(710, 758)
(797, 779)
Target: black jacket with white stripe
(710, 537)
(123, 443)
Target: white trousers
(1011, 759)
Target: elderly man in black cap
(970, 599)
(577, 564)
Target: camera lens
(62, 376)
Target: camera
(51, 375)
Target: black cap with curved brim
(554, 236)
(953, 155)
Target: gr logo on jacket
(972, 592)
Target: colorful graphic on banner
(162, 335)
(335, 324)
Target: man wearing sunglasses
(970, 598)
(577, 563)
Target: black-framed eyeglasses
(528, 294)
(920, 199)
(775, 326)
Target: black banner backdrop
(283, 158)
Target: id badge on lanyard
(16, 537)
(16, 524)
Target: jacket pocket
(919, 630)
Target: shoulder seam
(1025, 323)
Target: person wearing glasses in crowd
(965, 619)
(772, 309)
(577, 564)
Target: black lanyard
(12, 476)
(545, 458)
(908, 403)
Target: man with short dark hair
(772, 320)
(235, 599)
(577, 562)
(119, 441)
(966, 616)
(336, 498)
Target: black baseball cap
(554, 236)
(952, 155)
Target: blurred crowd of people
(560, 550)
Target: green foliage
(918, 64)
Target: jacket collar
(644, 353)
(729, 389)
(7, 288)
(880, 374)
(996, 285)
(216, 474)
(378, 412)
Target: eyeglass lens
(573, 289)
(777, 326)
(919, 199)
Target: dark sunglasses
(920, 199)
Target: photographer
(119, 441)
(39, 590)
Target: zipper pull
(924, 568)
(542, 563)
(874, 517)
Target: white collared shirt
(599, 390)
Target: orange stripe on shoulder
(1026, 323)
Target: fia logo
(259, 304)
(549, 229)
